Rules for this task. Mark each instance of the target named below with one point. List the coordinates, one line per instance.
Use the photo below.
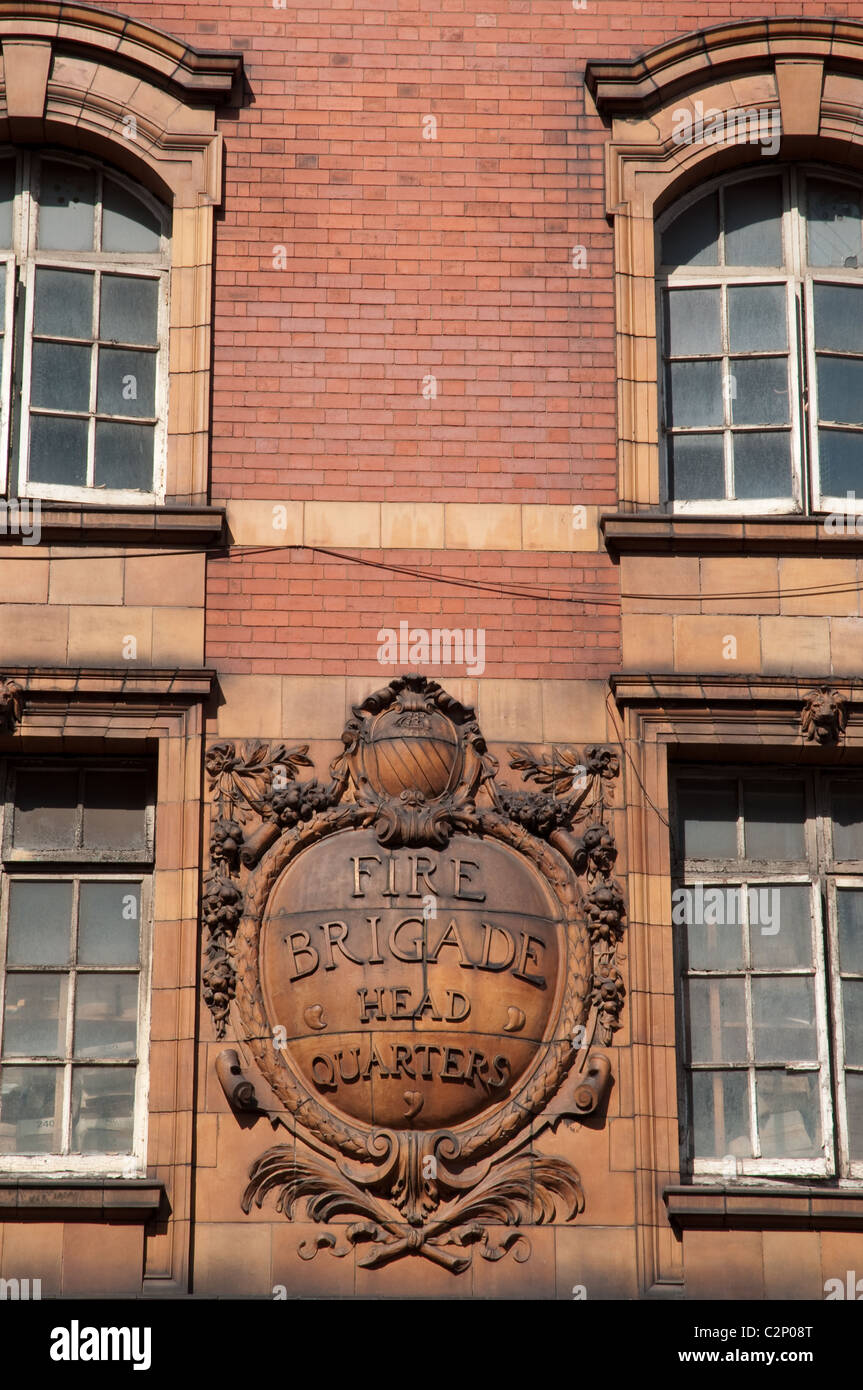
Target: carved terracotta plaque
(420, 958)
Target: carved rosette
(419, 959)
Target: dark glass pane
(28, 1105)
(840, 384)
(720, 1114)
(45, 809)
(64, 304)
(759, 391)
(774, 814)
(109, 920)
(67, 197)
(694, 394)
(762, 464)
(124, 456)
(780, 925)
(757, 319)
(693, 237)
(717, 1021)
(839, 317)
(846, 800)
(854, 1110)
(127, 225)
(849, 902)
(840, 455)
(58, 450)
(693, 323)
(127, 382)
(696, 466)
(852, 1009)
(129, 312)
(753, 223)
(789, 1122)
(34, 1016)
(713, 917)
(834, 224)
(106, 1015)
(102, 1109)
(708, 819)
(7, 195)
(40, 923)
(783, 1018)
(61, 377)
(114, 814)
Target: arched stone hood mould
(640, 85)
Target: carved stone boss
(418, 958)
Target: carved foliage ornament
(419, 958)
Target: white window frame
(28, 259)
(800, 278)
(89, 868)
(823, 877)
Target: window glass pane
(129, 310)
(708, 819)
(720, 1106)
(840, 459)
(127, 382)
(61, 377)
(757, 318)
(64, 304)
(834, 224)
(695, 394)
(847, 804)
(849, 903)
(114, 809)
(124, 456)
(774, 813)
(852, 1008)
(67, 197)
(29, 1099)
(762, 464)
(714, 933)
(127, 225)
(693, 323)
(783, 1018)
(854, 1111)
(106, 1015)
(753, 223)
(839, 317)
(789, 1124)
(45, 809)
(108, 923)
(7, 194)
(696, 465)
(759, 391)
(34, 1018)
(693, 237)
(780, 925)
(102, 1104)
(840, 384)
(40, 923)
(58, 450)
(717, 1021)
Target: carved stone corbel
(824, 716)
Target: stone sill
(712, 1206)
(99, 1198)
(656, 533)
(151, 526)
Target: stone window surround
(810, 69)
(84, 78)
(102, 711)
(745, 719)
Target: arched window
(761, 286)
(84, 257)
